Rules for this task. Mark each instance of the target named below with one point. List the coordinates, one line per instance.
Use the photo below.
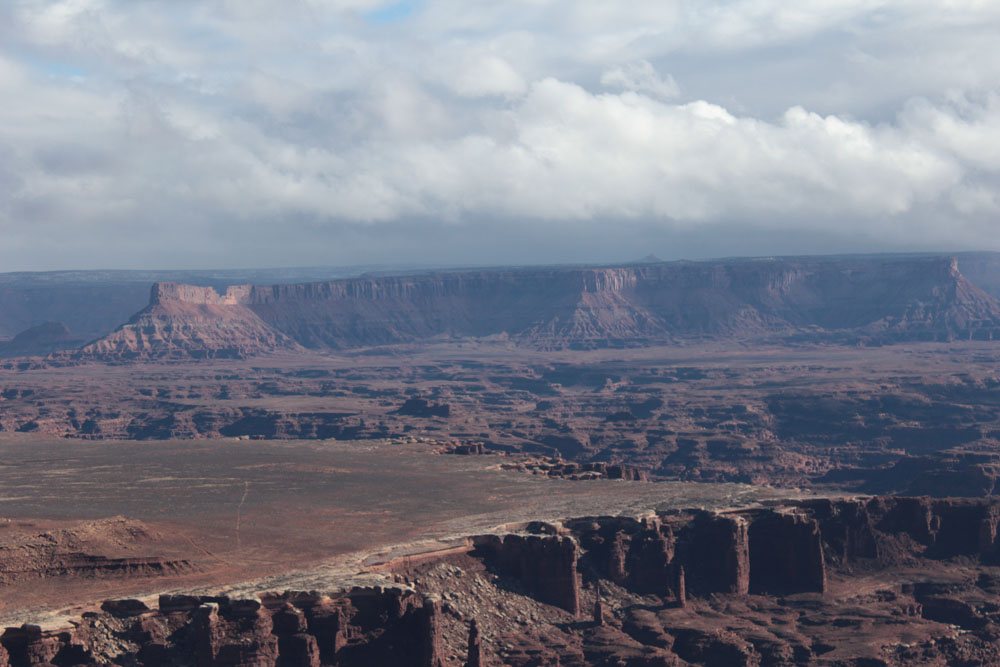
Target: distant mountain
(40, 340)
(185, 321)
(866, 300)
(94, 303)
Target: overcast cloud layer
(183, 133)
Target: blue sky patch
(394, 13)
(61, 69)
(54, 68)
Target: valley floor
(209, 514)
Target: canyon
(766, 461)
(771, 585)
(916, 418)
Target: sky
(252, 133)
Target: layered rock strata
(853, 300)
(363, 626)
(184, 321)
(742, 587)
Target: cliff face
(184, 321)
(546, 565)
(540, 305)
(376, 626)
(167, 294)
(739, 587)
(780, 551)
(854, 300)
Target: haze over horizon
(343, 132)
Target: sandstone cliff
(856, 300)
(363, 626)
(911, 581)
(184, 321)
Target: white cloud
(11, 76)
(484, 75)
(641, 77)
(970, 130)
(850, 117)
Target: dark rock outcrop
(786, 554)
(715, 550)
(29, 645)
(419, 407)
(890, 529)
(556, 467)
(545, 565)
(784, 551)
(359, 627)
(474, 655)
(598, 617)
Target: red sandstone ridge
(186, 321)
(877, 300)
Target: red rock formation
(183, 321)
(715, 649)
(639, 555)
(241, 638)
(598, 605)
(127, 607)
(648, 561)
(721, 625)
(715, 551)
(29, 645)
(983, 269)
(887, 529)
(680, 586)
(546, 565)
(638, 302)
(854, 300)
(556, 467)
(102, 548)
(617, 553)
(362, 627)
(786, 554)
(474, 656)
(295, 645)
(730, 553)
(430, 626)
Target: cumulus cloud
(482, 75)
(641, 77)
(318, 131)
